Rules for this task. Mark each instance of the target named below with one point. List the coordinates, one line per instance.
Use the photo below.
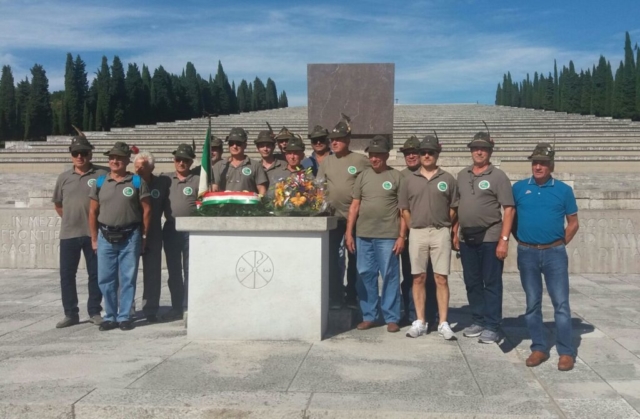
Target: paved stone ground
(156, 371)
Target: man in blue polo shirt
(542, 204)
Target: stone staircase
(584, 144)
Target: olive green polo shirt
(159, 192)
(72, 192)
(278, 170)
(340, 174)
(245, 177)
(429, 200)
(119, 201)
(481, 199)
(406, 171)
(182, 195)
(378, 216)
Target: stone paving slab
(156, 371)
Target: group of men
(420, 215)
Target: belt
(543, 246)
(126, 228)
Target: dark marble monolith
(364, 92)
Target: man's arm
(58, 208)
(572, 228)
(398, 246)
(262, 190)
(354, 209)
(455, 241)
(94, 211)
(406, 216)
(145, 203)
(502, 249)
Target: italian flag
(205, 164)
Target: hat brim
(183, 155)
(480, 143)
(80, 148)
(333, 135)
(264, 140)
(375, 150)
(540, 158)
(294, 148)
(117, 153)
(318, 136)
(235, 138)
(429, 147)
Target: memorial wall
(608, 241)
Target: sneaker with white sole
(489, 336)
(473, 331)
(445, 331)
(418, 328)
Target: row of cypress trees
(118, 99)
(595, 91)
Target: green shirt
(340, 174)
(182, 195)
(119, 201)
(246, 177)
(429, 200)
(378, 194)
(72, 192)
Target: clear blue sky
(445, 51)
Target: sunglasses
(318, 141)
(79, 153)
(410, 152)
(429, 152)
(236, 143)
(182, 160)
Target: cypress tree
(181, 109)
(587, 88)
(23, 91)
(549, 94)
(618, 93)
(38, 123)
(69, 99)
(628, 87)
(283, 102)
(244, 98)
(599, 89)
(498, 95)
(8, 121)
(207, 99)
(192, 91)
(146, 113)
(556, 87)
(609, 92)
(574, 94)
(103, 105)
(162, 96)
(136, 104)
(118, 99)
(271, 94)
(536, 91)
(92, 101)
(82, 88)
(86, 117)
(637, 82)
(223, 91)
(233, 98)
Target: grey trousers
(152, 276)
(176, 250)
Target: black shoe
(126, 325)
(152, 318)
(172, 315)
(106, 326)
(352, 303)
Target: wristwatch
(505, 238)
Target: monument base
(258, 278)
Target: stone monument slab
(258, 278)
(364, 92)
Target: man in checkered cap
(542, 205)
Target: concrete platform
(156, 371)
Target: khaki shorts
(425, 243)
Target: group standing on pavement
(387, 219)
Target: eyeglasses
(236, 143)
(429, 152)
(79, 153)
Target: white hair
(145, 155)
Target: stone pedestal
(258, 278)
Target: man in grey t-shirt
(483, 237)
(239, 173)
(71, 201)
(379, 239)
(183, 193)
(119, 219)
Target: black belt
(543, 246)
(123, 229)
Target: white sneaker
(445, 331)
(418, 328)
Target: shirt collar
(92, 170)
(486, 171)
(418, 173)
(548, 183)
(189, 176)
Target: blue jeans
(482, 272)
(70, 250)
(376, 256)
(553, 263)
(118, 263)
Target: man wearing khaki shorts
(428, 201)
